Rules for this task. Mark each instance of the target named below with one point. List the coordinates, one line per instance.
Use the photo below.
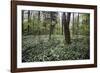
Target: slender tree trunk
(22, 21)
(28, 27)
(59, 28)
(73, 25)
(39, 22)
(28, 16)
(62, 29)
(45, 23)
(62, 25)
(77, 25)
(66, 23)
(50, 26)
(33, 23)
(39, 26)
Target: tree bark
(50, 26)
(77, 24)
(28, 15)
(62, 25)
(22, 21)
(39, 22)
(33, 23)
(73, 25)
(28, 27)
(66, 23)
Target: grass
(40, 48)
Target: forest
(55, 36)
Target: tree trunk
(50, 26)
(33, 23)
(28, 15)
(22, 21)
(73, 25)
(77, 25)
(62, 25)
(66, 23)
(44, 22)
(28, 27)
(62, 29)
(39, 22)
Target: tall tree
(44, 21)
(28, 15)
(39, 22)
(22, 21)
(77, 24)
(73, 26)
(66, 22)
(62, 25)
(85, 23)
(51, 27)
(53, 16)
(33, 21)
(28, 27)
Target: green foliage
(85, 26)
(54, 49)
(84, 29)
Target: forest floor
(41, 48)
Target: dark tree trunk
(44, 22)
(66, 22)
(73, 26)
(22, 21)
(62, 29)
(28, 27)
(39, 22)
(28, 15)
(39, 16)
(77, 25)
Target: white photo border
(52, 63)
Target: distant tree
(33, 21)
(85, 23)
(44, 21)
(53, 16)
